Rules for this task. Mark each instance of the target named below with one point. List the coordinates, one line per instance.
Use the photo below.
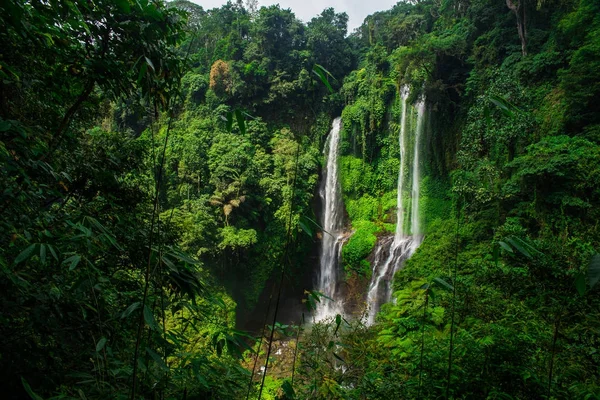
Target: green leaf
(486, 114)
(229, 121)
(157, 359)
(431, 294)
(305, 228)
(320, 72)
(504, 105)
(25, 254)
(73, 260)
(338, 357)
(240, 121)
(580, 284)
(288, 390)
(4, 125)
(149, 318)
(142, 73)
(219, 346)
(443, 283)
(30, 391)
(53, 252)
(100, 344)
(123, 5)
(506, 247)
(149, 62)
(593, 274)
(338, 321)
(43, 253)
(130, 309)
(520, 246)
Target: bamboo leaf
(321, 73)
(504, 105)
(593, 275)
(229, 121)
(288, 390)
(443, 283)
(149, 318)
(43, 253)
(580, 284)
(506, 247)
(338, 321)
(338, 357)
(123, 6)
(305, 228)
(30, 391)
(142, 73)
(240, 121)
(25, 254)
(149, 62)
(130, 309)
(157, 359)
(517, 244)
(53, 252)
(100, 344)
(73, 260)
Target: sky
(357, 10)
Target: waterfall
(415, 225)
(402, 246)
(332, 223)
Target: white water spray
(332, 223)
(403, 245)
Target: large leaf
(130, 309)
(506, 247)
(442, 283)
(288, 390)
(504, 105)
(72, 261)
(580, 284)
(593, 275)
(25, 254)
(322, 74)
(30, 391)
(240, 121)
(520, 246)
(157, 359)
(100, 344)
(149, 318)
(338, 321)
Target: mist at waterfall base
(391, 251)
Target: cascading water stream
(332, 223)
(415, 225)
(402, 246)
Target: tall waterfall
(415, 225)
(403, 245)
(332, 223)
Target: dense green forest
(159, 200)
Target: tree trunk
(521, 22)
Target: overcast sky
(357, 10)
